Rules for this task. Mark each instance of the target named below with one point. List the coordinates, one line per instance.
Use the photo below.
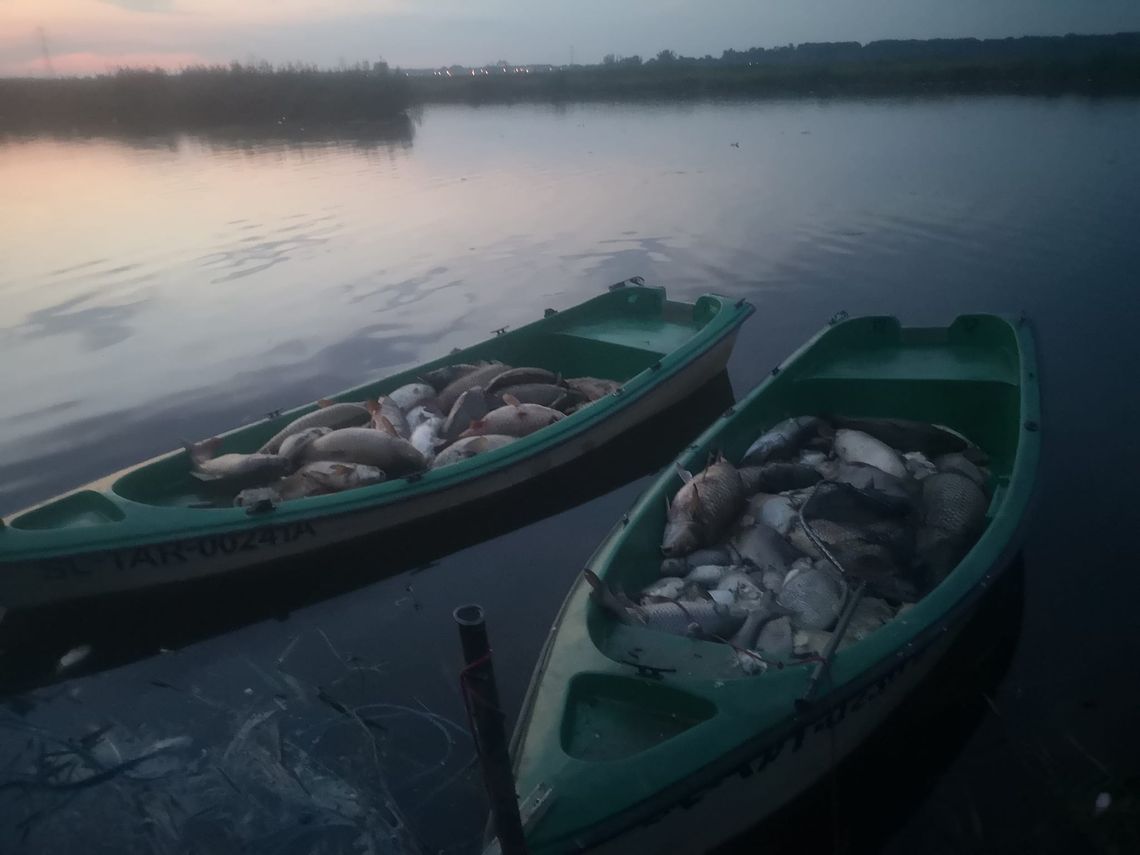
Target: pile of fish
(765, 555)
(453, 413)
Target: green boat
(151, 524)
(631, 740)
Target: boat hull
(164, 562)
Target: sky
(95, 36)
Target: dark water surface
(172, 287)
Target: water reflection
(97, 326)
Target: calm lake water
(168, 287)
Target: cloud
(142, 5)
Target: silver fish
(871, 478)
(904, 435)
(703, 508)
(814, 596)
(411, 395)
(440, 378)
(963, 466)
(480, 377)
(775, 639)
(774, 511)
(918, 465)
(670, 588)
(423, 413)
(469, 447)
(954, 514)
(692, 618)
(810, 642)
(783, 440)
(293, 445)
(231, 468)
(741, 586)
(319, 479)
(778, 477)
(426, 438)
(708, 575)
(763, 547)
(868, 615)
(515, 420)
(593, 388)
(395, 456)
(388, 417)
(546, 394)
(72, 658)
(328, 415)
(520, 376)
(852, 446)
(468, 407)
(720, 555)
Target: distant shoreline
(295, 96)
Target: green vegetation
(203, 97)
(262, 95)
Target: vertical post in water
(488, 729)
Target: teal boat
(151, 524)
(631, 740)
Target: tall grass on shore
(206, 96)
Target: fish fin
(324, 402)
(510, 400)
(388, 426)
(668, 506)
(474, 428)
(207, 449)
(343, 468)
(685, 474)
(372, 406)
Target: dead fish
(72, 658)
(327, 414)
(708, 575)
(669, 588)
(694, 618)
(319, 479)
(810, 642)
(863, 551)
(954, 514)
(774, 511)
(811, 458)
(394, 455)
(426, 438)
(918, 465)
(867, 478)
(778, 477)
(545, 394)
(388, 417)
(741, 586)
(480, 377)
(293, 445)
(905, 435)
(593, 387)
(814, 596)
(759, 611)
(440, 378)
(783, 440)
(963, 466)
(868, 615)
(411, 395)
(422, 413)
(515, 420)
(469, 447)
(468, 407)
(719, 555)
(762, 546)
(775, 639)
(851, 446)
(231, 468)
(703, 508)
(521, 376)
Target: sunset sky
(92, 36)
